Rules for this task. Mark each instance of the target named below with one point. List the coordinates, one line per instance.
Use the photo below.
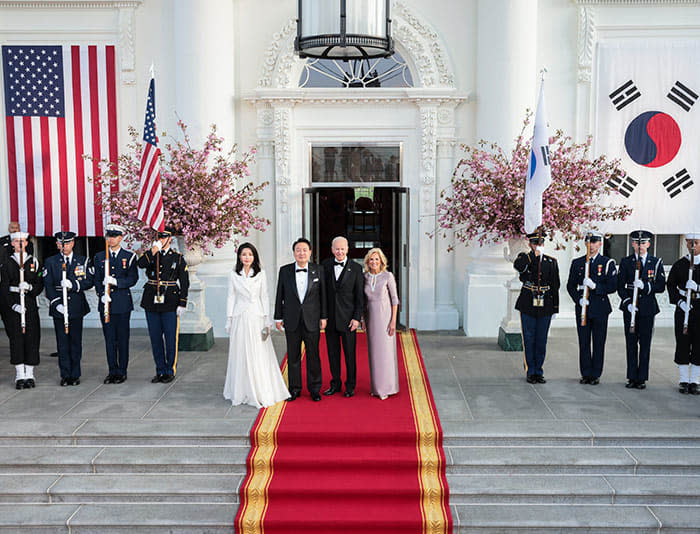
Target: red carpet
(350, 465)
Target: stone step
(77, 459)
(574, 489)
(198, 518)
(593, 519)
(97, 488)
(573, 460)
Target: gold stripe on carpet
(251, 520)
(429, 469)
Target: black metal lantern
(344, 29)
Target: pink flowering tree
(485, 201)
(206, 196)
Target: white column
(506, 85)
(203, 37)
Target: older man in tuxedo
(300, 310)
(345, 297)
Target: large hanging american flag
(60, 104)
(150, 208)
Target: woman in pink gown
(381, 307)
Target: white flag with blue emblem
(539, 171)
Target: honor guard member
(68, 312)
(538, 301)
(683, 292)
(123, 274)
(165, 300)
(644, 272)
(24, 339)
(601, 281)
(6, 251)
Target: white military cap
(693, 235)
(19, 235)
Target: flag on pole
(60, 104)
(150, 207)
(539, 171)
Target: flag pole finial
(543, 71)
(152, 70)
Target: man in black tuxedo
(300, 307)
(345, 302)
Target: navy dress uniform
(537, 302)
(652, 280)
(78, 280)
(122, 276)
(680, 284)
(164, 300)
(601, 281)
(24, 347)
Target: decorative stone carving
(280, 40)
(71, 4)
(126, 45)
(428, 119)
(586, 43)
(282, 150)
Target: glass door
(310, 217)
(400, 249)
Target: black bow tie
(341, 263)
(302, 270)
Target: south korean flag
(648, 115)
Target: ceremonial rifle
(107, 273)
(635, 294)
(64, 292)
(586, 289)
(538, 300)
(23, 315)
(688, 296)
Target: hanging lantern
(344, 29)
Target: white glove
(66, 283)
(540, 249)
(17, 308)
(554, 316)
(110, 280)
(180, 310)
(638, 283)
(692, 285)
(157, 244)
(228, 325)
(589, 283)
(583, 302)
(683, 305)
(631, 309)
(60, 309)
(24, 286)
(106, 298)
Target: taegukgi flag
(539, 171)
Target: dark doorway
(368, 217)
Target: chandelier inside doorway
(380, 72)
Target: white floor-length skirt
(253, 375)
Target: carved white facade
(474, 65)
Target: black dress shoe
(167, 378)
(640, 385)
(684, 388)
(585, 380)
(331, 390)
(540, 379)
(631, 384)
(294, 395)
(64, 381)
(74, 382)
(156, 379)
(119, 379)
(29, 383)
(349, 393)
(693, 389)
(531, 379)
(594, 381)
(315, 397)
(19, 384)
(109, 379)
(54, 354)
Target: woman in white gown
(253, 375)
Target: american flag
(60, 104)
(150, 209)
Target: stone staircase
(84, 476)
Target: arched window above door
(382, 72)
